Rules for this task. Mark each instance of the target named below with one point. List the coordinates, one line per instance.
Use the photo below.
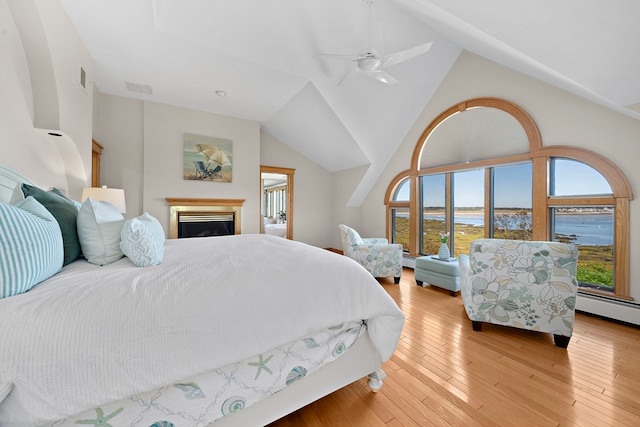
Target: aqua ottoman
(434, 271)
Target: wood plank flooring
(445, 374)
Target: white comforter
(91, 335)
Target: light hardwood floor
(443, 373)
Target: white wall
(143, 150)
(344, 184)
(312, 198)
(39, 78)
(118, 127)
(563, 119)
(164, 128)
(143, 154)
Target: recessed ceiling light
(221, 93)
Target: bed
(279, 230)
(224, 331)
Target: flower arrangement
(282, 216)
(444, 237)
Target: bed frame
(362, 360)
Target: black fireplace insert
(193, 224)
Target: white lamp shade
(115, 196)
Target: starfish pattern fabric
(261, 364)
(101, 420)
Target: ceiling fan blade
(338, 56)
(352, 71)
(382, 76)
(403, 55)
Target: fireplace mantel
(178, 206)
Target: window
(400, 214)
(511, 202)
(485, 173)
(400, 227)
(432, 212)
(572, 178)
(402, 194)
(588, 225)
(468, 209)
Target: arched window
(399, 213)
(479, 170)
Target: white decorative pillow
(142, 240)
(31, 248)
(99, 226)
(17, 195)
(353, 237)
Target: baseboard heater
(611, 308)
(408, 261)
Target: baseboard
(408, 261)
(622, 311)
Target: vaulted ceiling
(262, 55)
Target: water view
(581, 229)
(591, 232)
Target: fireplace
(204, 217)
(202, 224)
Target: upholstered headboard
(8, 181)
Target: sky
(512, 185)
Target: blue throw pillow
(31, 247)
(65, 212)
(142, 240)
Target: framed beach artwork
(207, 158)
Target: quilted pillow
(99, 227)
(142, 240)
(31, 248)
(65, 212)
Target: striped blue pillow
(31, 247)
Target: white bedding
(205, 398)
(279, 230)
(92, 335)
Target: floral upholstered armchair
(377, 255)
(524, 284)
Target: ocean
(589, 229)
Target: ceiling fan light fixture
(369, 64)
(372, 64)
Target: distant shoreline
(513, 212)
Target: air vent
(83, 78)
(139, 88)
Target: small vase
(444, 253)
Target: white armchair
(524, 284)
(377, 255)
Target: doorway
(276, 206)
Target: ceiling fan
(372, 63)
